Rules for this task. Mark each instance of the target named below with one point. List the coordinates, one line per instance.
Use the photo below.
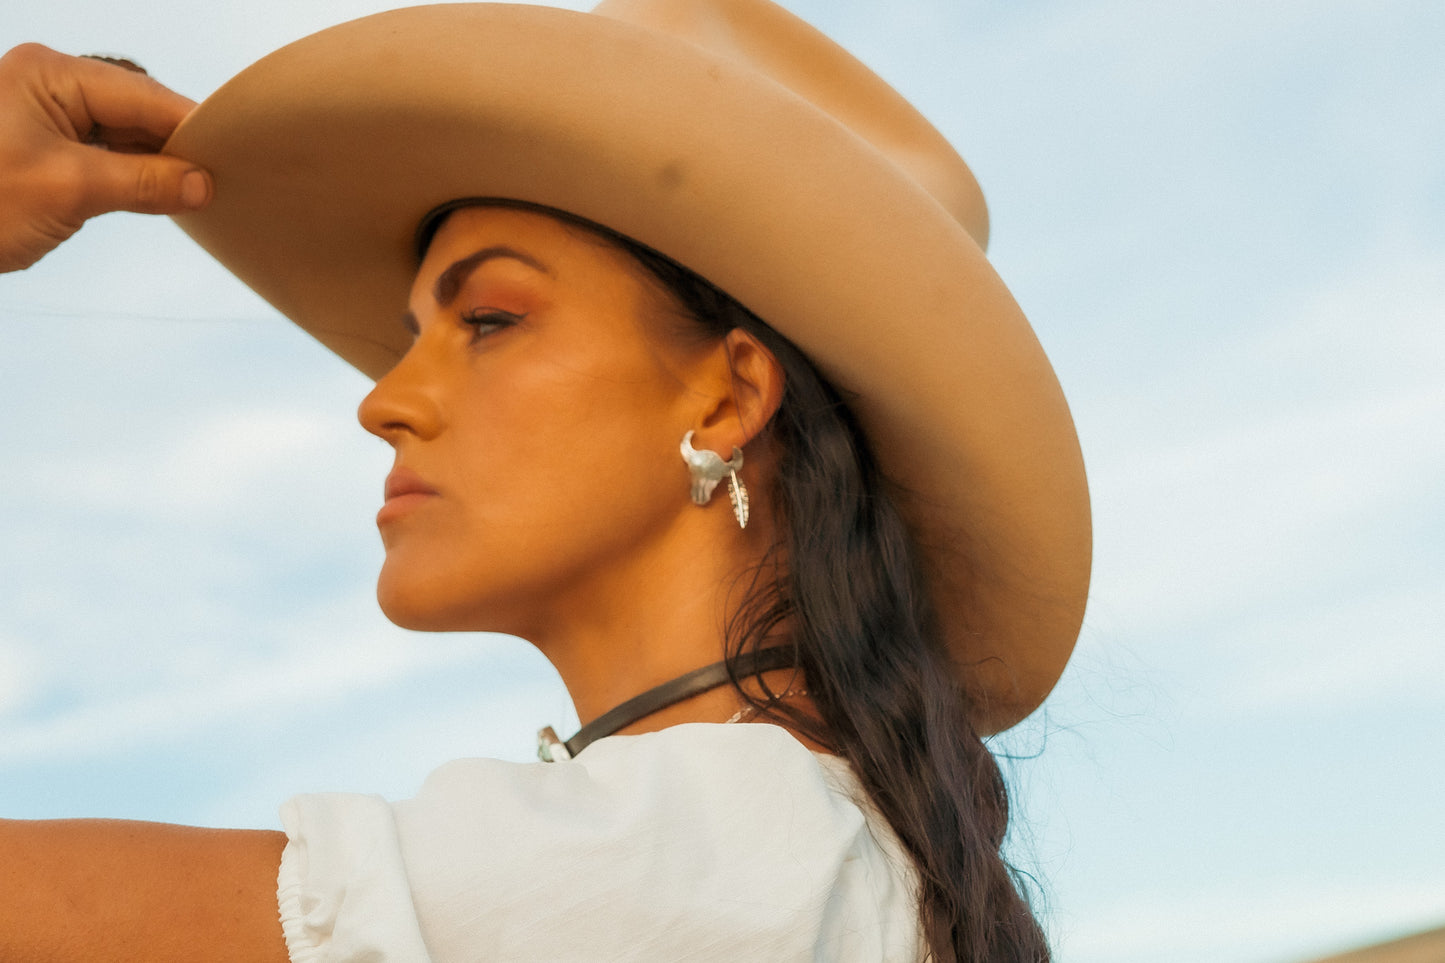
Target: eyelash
(485, 321)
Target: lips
(405, 490)
(404, 481)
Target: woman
(869, 511)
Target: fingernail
(194, 190)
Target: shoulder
(703, 777)
(732, 836)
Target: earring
(707, 469)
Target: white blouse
(699, 842)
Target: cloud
(507, 692)
(329, 655)
(1280, 918)
(217, 468)
(1335, 655)
(1291, 470)
(19, 678)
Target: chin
(407, 616)
(410, 607)
(420, 608)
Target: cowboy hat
(737, 140)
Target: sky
(1226, 221)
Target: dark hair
(863, 630)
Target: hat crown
(773, 42)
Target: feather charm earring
(707, 469)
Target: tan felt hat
(739, 141)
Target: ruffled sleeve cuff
(342, 888)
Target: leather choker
(552, 749)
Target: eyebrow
(450, 281)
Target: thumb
(143, 183)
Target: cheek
(576, 452)
(554, 473)
(560, 464)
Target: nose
(406, 400)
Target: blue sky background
(1227, 222)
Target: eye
(485, 321)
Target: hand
(78, 138)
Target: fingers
(49, 183)
(112, 96)
(144, 183)
(129, 112)
(83, 181)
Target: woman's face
(536, 421)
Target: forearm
(106, 890)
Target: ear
(754, 392)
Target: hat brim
(328, 153)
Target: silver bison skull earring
(707, 469)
